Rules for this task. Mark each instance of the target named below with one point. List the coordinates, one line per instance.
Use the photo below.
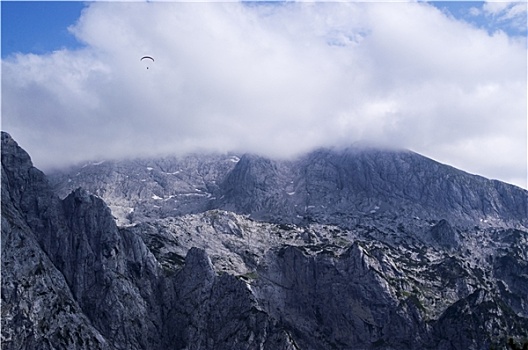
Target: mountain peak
(353, 248)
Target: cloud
(512, 15)
(505, 10)
(276, 79)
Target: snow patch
(93, 163)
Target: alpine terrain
(356, 248)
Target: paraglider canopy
(148, 60)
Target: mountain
(343, 186)
(359, 248)
(71, 279)
(340, 187)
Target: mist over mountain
(357, 248)
(276, 79)
(332, 186)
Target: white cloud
(505, 10)
(276, 79)
(511, 13)
(475, 11)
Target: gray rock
(347, 249)
(472, 323)
(331, 186)
(444, 234)
(38, 309)
(72, 279)
(342, 186)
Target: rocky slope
(347, 249)
(137, 190)
(340, 187)
(71, 279)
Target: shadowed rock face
(335, 186)
(352, 249)
(38, 309)
(341, 187)
(72, 279)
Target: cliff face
(341, 186)
(71, 279)
(39, 310)
(353, 249)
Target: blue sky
(482, 15)
(445, 79)
(38, 26)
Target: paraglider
(148, 59)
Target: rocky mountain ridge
(340, 187)
(241, 252)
